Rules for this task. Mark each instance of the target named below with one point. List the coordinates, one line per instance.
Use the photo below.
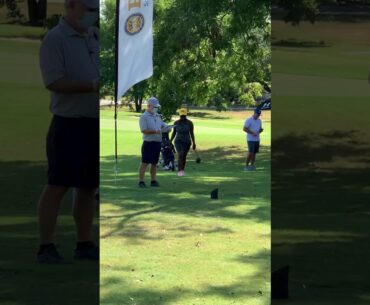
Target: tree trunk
(37, 11)
(42, 11)
(138, 104)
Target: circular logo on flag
(134, 24)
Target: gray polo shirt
(150, 121)
(68, 54)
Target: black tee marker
(214, 194)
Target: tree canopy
(205, 52)
(37, 10)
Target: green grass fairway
(320, 141)
(174, 245)
(24, 120)
(22, 31)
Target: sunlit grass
(173, 245)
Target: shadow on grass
(220, 168)
(22, 281)
(293, 43)
(320, 212)
(131, 215)
(119, 291)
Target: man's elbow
(50, 87)
(53, 86)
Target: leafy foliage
(14, 13)
(205, 52)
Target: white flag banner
(135, 43)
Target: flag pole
(116, 90)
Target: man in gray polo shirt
(69, 64)
(151, 126)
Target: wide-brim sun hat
(183, 111)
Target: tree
(137, 93)
(14, 12)
(107, 45)
(36, 11)
(205, 52)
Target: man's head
(183, 113)
(257, 113)
(153, 105)
(82, 13)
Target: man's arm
(53, 70)
(144, 127)
(247, 130)
(173, 135)
(64, 85)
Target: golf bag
(168, 153)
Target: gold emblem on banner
(134, 24)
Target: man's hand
(261, 129)
(194, 146)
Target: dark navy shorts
(150, 152)
(72, 148)
(253, 147)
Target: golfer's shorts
(72, 148)
(253, 147)
(150, 152)
(182, 147)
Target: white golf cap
(154, 102)
(88, 3)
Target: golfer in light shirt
(151, 126)
(253, 128)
